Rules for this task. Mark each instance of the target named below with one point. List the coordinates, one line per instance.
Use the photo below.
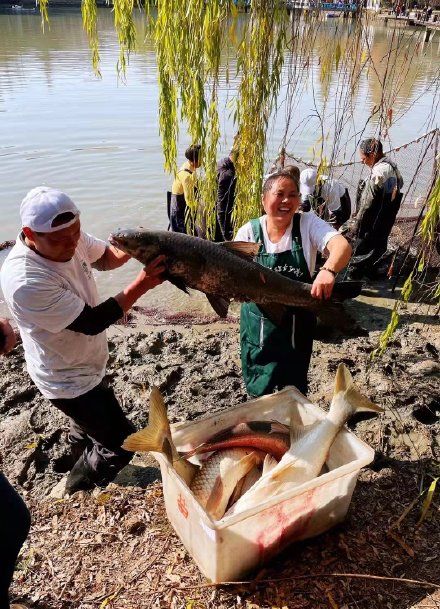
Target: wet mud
(196, 365)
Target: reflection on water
(98, 139)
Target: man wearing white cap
(329, 199)
(48, 284)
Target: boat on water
(329, 9)
(18, 8)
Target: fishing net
(416, 161)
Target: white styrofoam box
(226, 549)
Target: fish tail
(347, 396)
(333, 315)
(156, 437)
(347, 289)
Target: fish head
(139, 243)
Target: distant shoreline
(31, 4)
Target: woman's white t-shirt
(45, 297)
(315, 234)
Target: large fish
(268, 436)
(309, 446)
(217, 479)
(226, 271)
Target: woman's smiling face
(282, 200)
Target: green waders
(275, 356)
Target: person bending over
(48, 284)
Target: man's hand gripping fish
(309, 445)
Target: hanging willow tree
(190, 39)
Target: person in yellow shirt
(184, 190)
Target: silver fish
(309, 445)
(215, 482)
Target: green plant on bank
(429, 233)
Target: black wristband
(325, 268)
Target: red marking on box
(285, 526)
(181, 504)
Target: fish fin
(178, 282)
(268, 464)
(277, 313)
(156, 436)
(215, 498)
(297, 432)
(343, 379)
(347, 289)
(345, 386)
(186, 470)
(333, 315)
(237, 492)
(190, 453)
(219, 304)
(244, 249)
(219, 497)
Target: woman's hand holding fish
(322, 287)
(339, 252)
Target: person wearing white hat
(48, 285)
(329, 199)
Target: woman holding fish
(276, 344)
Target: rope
(340, 164)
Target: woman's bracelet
(325, 268)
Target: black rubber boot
(81, 477)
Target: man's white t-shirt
(44, 297)
(315, 234)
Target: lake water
(98, 139)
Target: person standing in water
(184, 190)
(226, 182)
(274, 356)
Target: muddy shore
(195, 363)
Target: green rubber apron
(275, 356)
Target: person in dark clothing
(15, 520)
(227, 180)
(184, 191)
(48, 285)
(379, 203)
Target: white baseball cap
(307, 181)
(42, 205)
